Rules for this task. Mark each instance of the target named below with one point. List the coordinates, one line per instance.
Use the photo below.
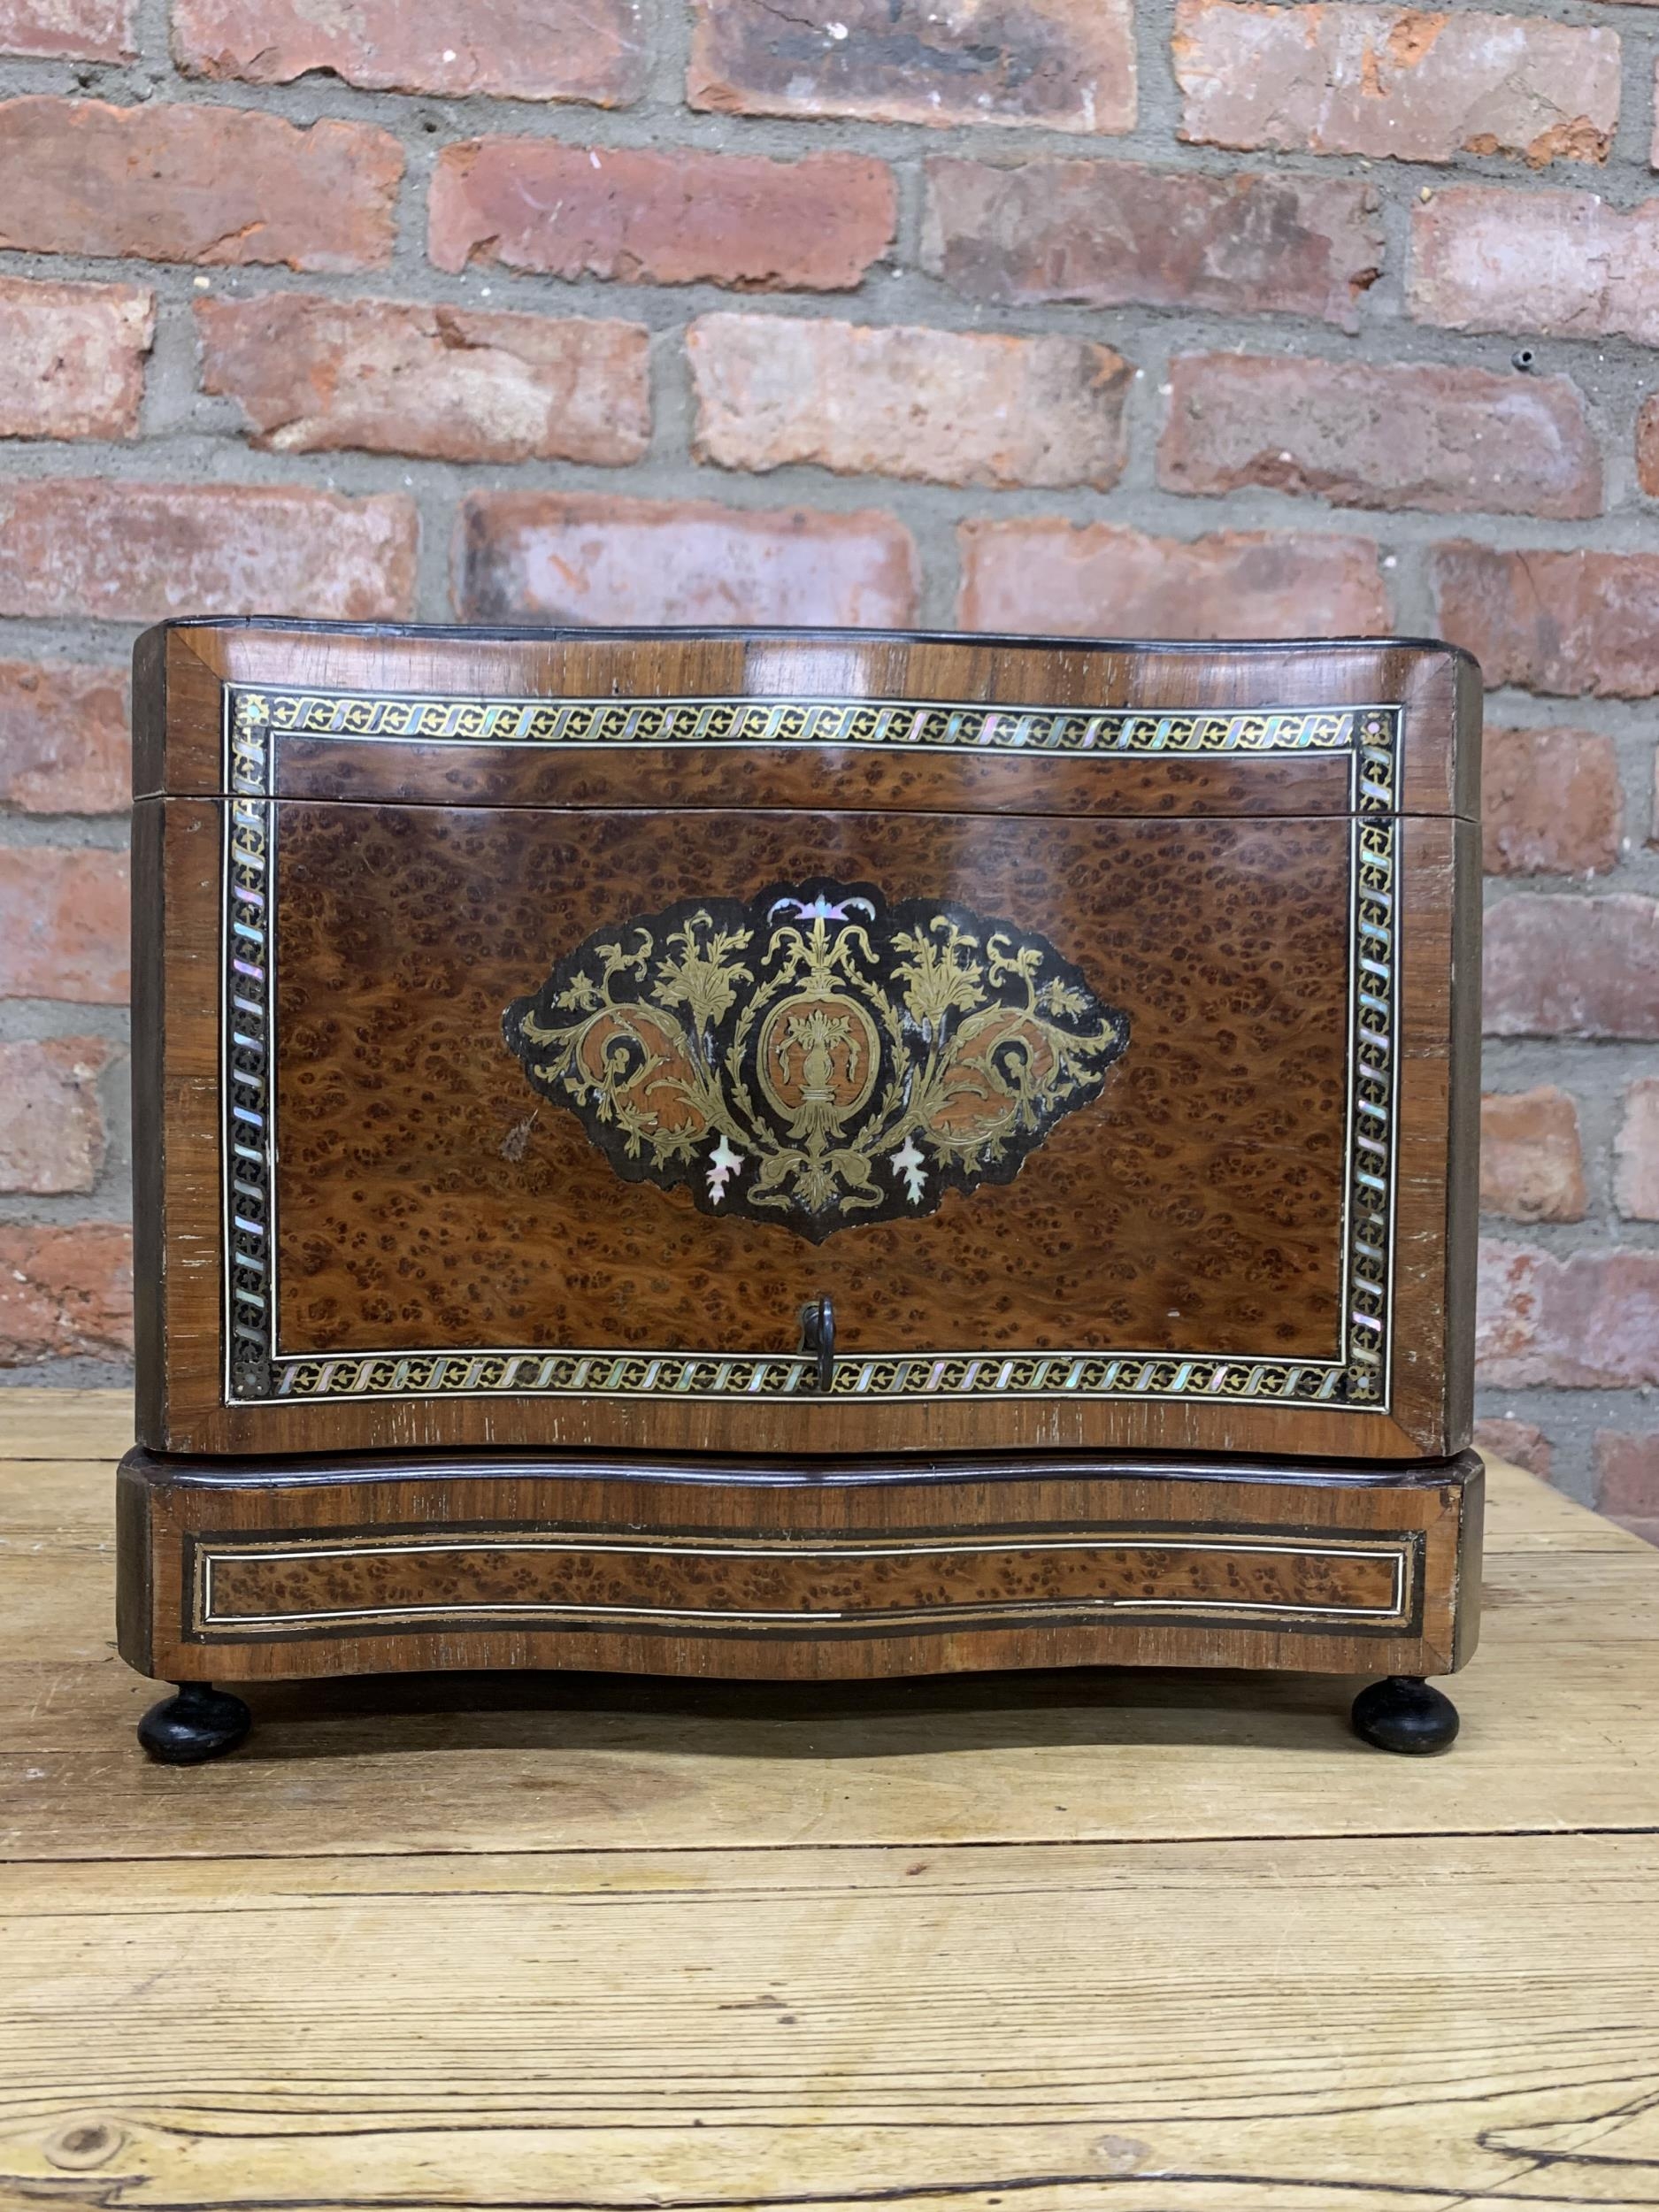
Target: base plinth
(792, 1569)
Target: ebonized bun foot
(198, 1723)
(1403, 1714)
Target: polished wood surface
(811, 1570)
(1195, 1208)
(430, 1200)
(1174, 1941)
(179, 732)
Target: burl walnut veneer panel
(428, 1196)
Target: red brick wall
(1078, 314)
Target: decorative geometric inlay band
(814, 1057)
(247, 1063)
(696, 1583)
(610, 1374)
(1355, 1376)
(1370, 733)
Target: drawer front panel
(768, 1569)
(700, 1585)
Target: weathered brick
(1566, 622)
(74, 357)
(167, 183)
(64, 925)
(312, 372)
(63, 739)
(1567, 967)
(1648, 441)
(515, 50)
(1636, 1152)
(1521, 1442)
(1400, 82)
(1586, 1320)
(1550, 803)
(73, 30)
(1112, 234)
(942, 406)
(1627, 1479)
(1365, 434)
(65, 1292)
(52, 1136)
(136, 552)
(637, 217)
(1532, 1163)
(1100, 579)
(584, 559)
(1064, 65)
(1563, 262)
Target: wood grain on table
(1152, 1943)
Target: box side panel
(149, 1124)
(1466, 1595)
(181, 1271)
(1423, 898)
(135, 1620)
(1462, 1163)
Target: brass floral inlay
(815, 1056)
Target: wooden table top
(1159, 1943)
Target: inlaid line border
(1402, 1551)
(1356, 1377)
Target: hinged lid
(822, 720)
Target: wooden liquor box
(800, 1154)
